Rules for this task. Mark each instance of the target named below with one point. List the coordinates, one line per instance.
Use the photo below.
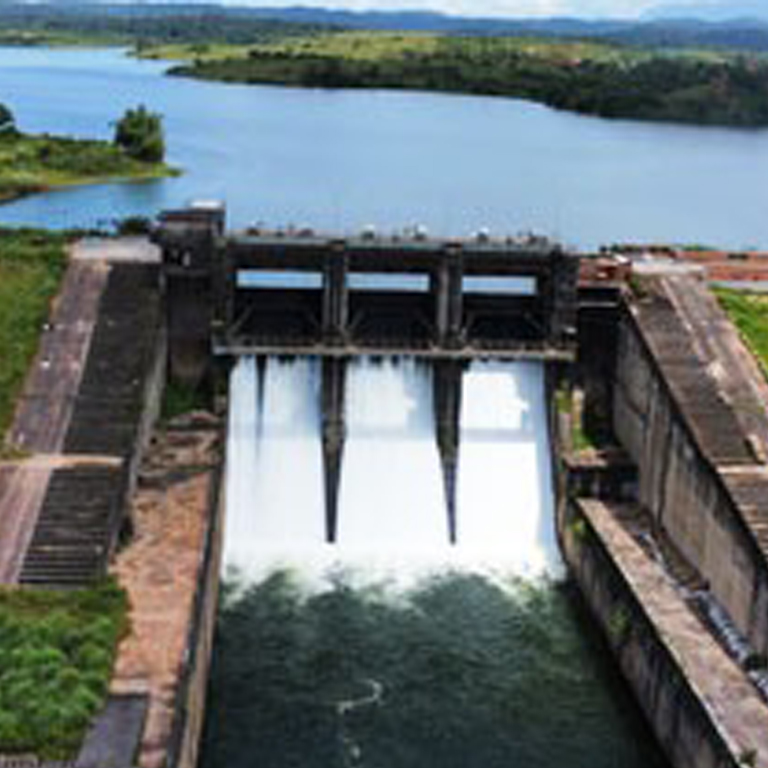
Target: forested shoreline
(704, 90)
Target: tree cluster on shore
(31, 163)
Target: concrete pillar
(447, 402)
(334, 435)
(224, 290)
(563, 297)
(335, 295)
(188, 312)
(448, 294)
(190, 241)
(439, 290)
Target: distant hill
(666, 29)
(725, 10)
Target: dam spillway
(393, 598)
(392, 493)
(391, 485)
(398, 645)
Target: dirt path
(160, 571)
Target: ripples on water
(472, 674)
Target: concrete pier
(447, 399)
(334, 435)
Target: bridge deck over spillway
(299, 293)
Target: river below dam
(393, 648)
(346, 159)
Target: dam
(389, 446)
(462, 502)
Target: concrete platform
(122, 250)
(735, 708)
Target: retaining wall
(189, 716)
(684, 439)
(677, 713)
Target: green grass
(380, 46)
(31, 265)
(35, 163)
(56, 655)
(60, 39)
(749, 312)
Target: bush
(7, 120)
(56, 654)
(139, 133)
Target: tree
(139, 133)
(7, 121)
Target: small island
(605, 79)
(35, 163)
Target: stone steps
(77, 527)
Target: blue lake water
(346, 159)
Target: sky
(512, 8)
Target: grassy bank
(56, 656)
(35, 163)
(31, 265)
(598, 78)
(749, 312)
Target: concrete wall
(189, 716)
(678, 716)
(683, 491)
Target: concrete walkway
(716, 341)
(45, 408)
(736, 709)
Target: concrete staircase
(77, 527)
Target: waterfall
(505, 499)
(274, 463)
(392, 511)
(391, 488)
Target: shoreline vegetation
(38, 163)
(592, 78)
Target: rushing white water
(392, 513)
(274, 490)
(505, 500)
(392, 497)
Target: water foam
(392, 516)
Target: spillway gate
(294, 293)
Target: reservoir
(343, 160)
